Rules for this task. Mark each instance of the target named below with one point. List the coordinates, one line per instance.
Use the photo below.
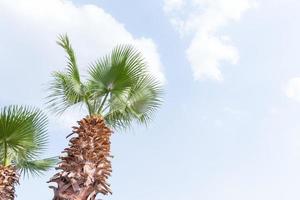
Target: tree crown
(23, 137)
(118, 86)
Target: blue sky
(228, 128)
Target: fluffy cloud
(171, 5)
(29, 53)
(292, 89)
(29, 30)
(201, 20)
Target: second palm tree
(22, 139)
(118, 91)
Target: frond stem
(5, 160)
(88, 105)
(104, 109)
(103, 102)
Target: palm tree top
(23, 137)
(118, 86)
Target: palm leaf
(23, 138)
(119, 87)
(116, 72)
(66, 89)
(72, 67)
(64, 93)
(24, 131)
(137, 103)
(36, 167)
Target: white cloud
(292, 89)
(28, 52)
(171, 5)
(201, 20)
(232, 111)
(32, 26)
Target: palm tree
(117, 91)
(22, 138)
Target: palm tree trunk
(9, 177)
(85, 165)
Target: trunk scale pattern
(9, 177)
(85, 165)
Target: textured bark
(8, 178)
(85, 165)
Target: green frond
(23, 138)
(64, 92)
(36, 167)
(72, 68)
(23, 130)
(118, 87)
(116, 72)
(137, 103)
(66, 88)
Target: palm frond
(64, 93)
(119, 87)
(116, 72)
(23, 129)
(72, 68)
(66, 88)
(137, 103)
(35, 167)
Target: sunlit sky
(229, 125)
